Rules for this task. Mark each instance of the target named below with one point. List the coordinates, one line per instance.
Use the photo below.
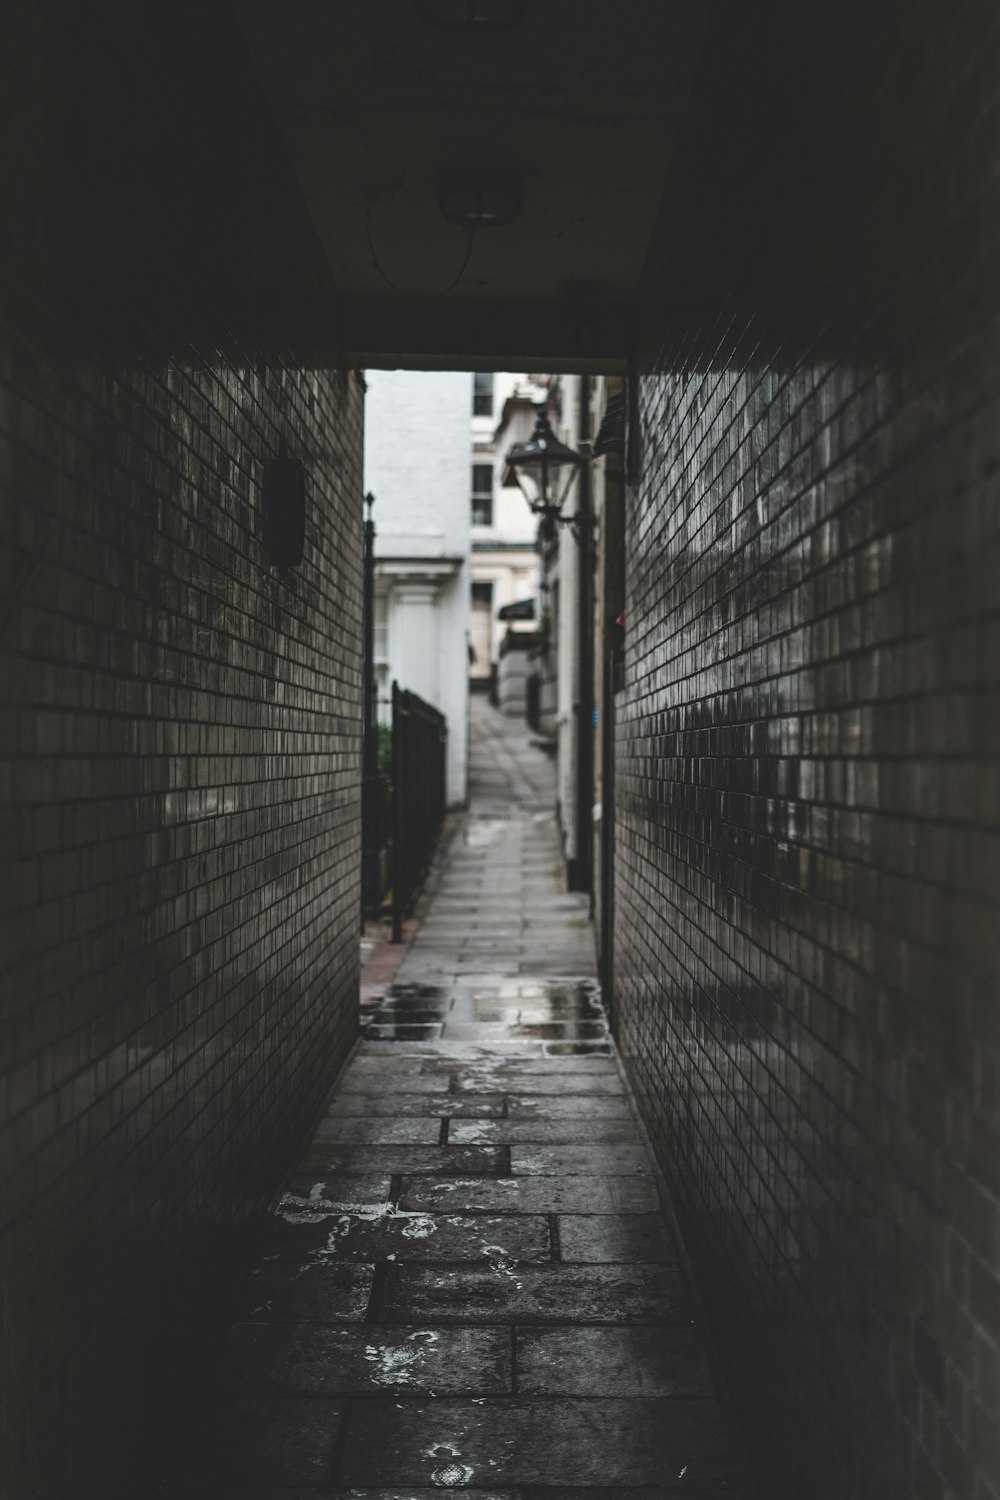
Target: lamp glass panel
(545, 482)
(529, 483)
(562, 484)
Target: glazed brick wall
(180, 737)
(808, 858)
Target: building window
(481, 631)
(482, 494)
(482, 395)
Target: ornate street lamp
(544, 469)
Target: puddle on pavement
(415, 996)
(407, 1013)
(577, 1049)
(541, 990)
(479, 833)
(398, 1031)
(405, 1016)
(567, 1015)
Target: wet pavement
(469, 1283)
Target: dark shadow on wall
(182, 762)
(163, 218)
(817, 155)
(805, 880)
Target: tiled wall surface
(808, 864)
(180, 736)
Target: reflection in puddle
(577, 1049)
(479, 833)
(417, 1013)
(400, 1032)
(557, 1031)
(407, 1013)
(566, 1015)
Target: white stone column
(414, 639)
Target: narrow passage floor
(469, 1283)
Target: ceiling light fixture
(479, 16)
(480, 197)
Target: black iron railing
(419, 744)
(376, 815)
(374, 792)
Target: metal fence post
(397, 816)
(419, 740)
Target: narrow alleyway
(469, 1282)
(499, 908)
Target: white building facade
(504, 562)
(417, 468)
(568, 674)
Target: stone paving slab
(431, 1003)
(542, 1031)
(325, 1161)
(721, 1489)
(402, 1236)
(381, 1132)
(322, 1293)
(500, 990)
(414, 1000)
(569, 1008)
(577, 1068)
(412, 1016)
(553, 1442)
(416, 1106)
(400, 1032)
(569, 1003)
(280, 1439)
(470, 1284)
(481, 1031)
(459, 1051)
(686, 1483)
(576, 1131)
(525, 1195)
(609, 1237)
(334, 1191)
(573, 1161)
(612, 1361)
(570, 1107)
(382, 1062)
(308, 1359)
(357, 1082)
(578, 1049)
(413, 1493)
(506, 1291)
(551, 1085)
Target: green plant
(385, 750)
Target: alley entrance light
(544, 469)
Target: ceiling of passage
(581, 98)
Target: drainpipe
(582, 878)
(370, 892)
